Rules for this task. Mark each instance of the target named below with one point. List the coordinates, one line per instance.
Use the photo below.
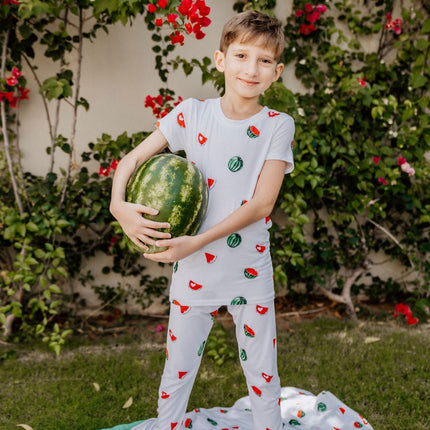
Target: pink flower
(152, 8)
(299, 13)
(401, 160)
(382, 181)
(321, 8)
(376, 160)
(159, 328)
(406, 167)
(307, 29)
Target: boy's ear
(278, 71)
(219, 60)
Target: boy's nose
(251, 68)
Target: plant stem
(72, 155)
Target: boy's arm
(260, 206)
(129, 215)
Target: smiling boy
(243, 150)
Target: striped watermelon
(173, 186)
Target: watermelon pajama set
(234, 271)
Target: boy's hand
(179, 248)
(140, 230)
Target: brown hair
(251, 25)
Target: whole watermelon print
(176, 188)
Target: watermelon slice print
(322, 407)
(253, 132)
(164, 395)
(260, 248)
(267, 219)
(172, 336)
(201, 349)
(234, 240)
(342, 410)
(358, 425)
(293, 423)
(274, 342)
(248, 331)
(180, 119)
(261, 309)
(202, 139)
(214, 314)
(211, 421)
(210, 258)
(175, 267)
(273, 113)
(250, 273)
(256, 390)
(267, 377)
(173, 425)
(300, 414)
(188, 423)
(244, 202)
(239, 300)
(243, 355)
(181, 374)
(235, 164)
(195, 286)
(211, 183)
(183, 309)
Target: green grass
(387, 381)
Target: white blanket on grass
(300, 410)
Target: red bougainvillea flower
(401, 160)
(114, 164)
(395, 25)
(12, 81)
(152, 8)
(362, 82)
(160, 105)
(162, 4)
(172, 17)
(159, 22)
(312, 14)
(16, 72)
(382, 181)
(306, 29)
(403, 309)
(308, 8)
(177, 37)
(15, 2)
(376, 160)
(104, 172)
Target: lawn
(379, 369)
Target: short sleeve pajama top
(230, 154)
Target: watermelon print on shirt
(230, 154)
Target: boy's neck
(239, 109)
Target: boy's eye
(240, 55)
(266, 61)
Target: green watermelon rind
(176, 188)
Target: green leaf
(418, 81)
(426, 27)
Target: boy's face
(249, 68)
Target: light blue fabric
(124, 426)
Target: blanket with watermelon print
(300, 410)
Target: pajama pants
(188, 331)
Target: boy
(243, 150)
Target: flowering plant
(403, 309)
